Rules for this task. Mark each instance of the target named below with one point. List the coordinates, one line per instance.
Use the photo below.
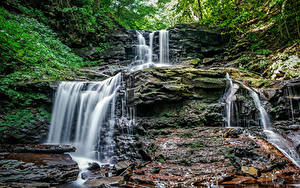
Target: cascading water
(84, 113)
(92, 107)
(151, 35)
(286, 147)
(277, 140)
(144, 53)
(163, 46)
(144, 57)
(230, 98)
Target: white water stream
(84, 113)
(285, 146)
(144, 57)
(164, 47)
(230, 98)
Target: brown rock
(240, 180)
(250, 171)
(117, 180)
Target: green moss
(24, 117)
(198, 144)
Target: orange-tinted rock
(240, 180)
(250, 171)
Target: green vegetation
(31, 52)
(24, 117)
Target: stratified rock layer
(37, 164)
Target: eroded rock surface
(201, 156)
(39, 165)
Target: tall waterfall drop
(84, 113)
(92, 107)
(163, 46)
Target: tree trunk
(200, 9)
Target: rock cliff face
(175, 96)
(196, 41)
(185, 41)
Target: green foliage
(262, 52)
(30, 51)
(23, 117)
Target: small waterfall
(276, 139)
(84, 112)
(144, 53)
(163, 46)
(293, 96)
(230, 98)
(264, 117)
(284, 145)
(142, 49)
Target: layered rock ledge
(36, 165)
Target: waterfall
(163, 46)
(82, 113)
(264, 116)
(144, 53)
(274, 138)
(150, 59)
(284, 145)
(230, 98)
(293, 96)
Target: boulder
(37, 167)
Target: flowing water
(284, 145)
(84, 113)
(230, 98)
(144, 52)
(164, 47)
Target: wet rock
(105, 182)
(194, 41)
(36, 148)
(177, 96)
(122, 166)
(22, 185)
(93, 166)
(240, 180)
(176, 83)
(250, 171)
(201, 155)
(33, 167)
